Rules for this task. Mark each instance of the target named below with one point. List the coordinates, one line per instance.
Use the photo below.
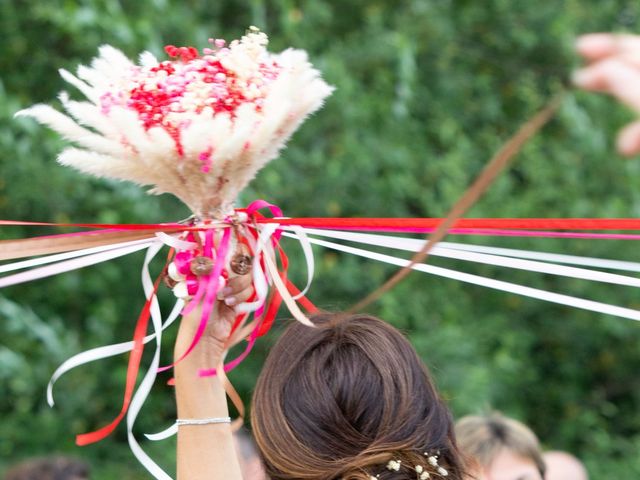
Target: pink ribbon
(208, 287)
(497, 232)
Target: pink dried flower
(197, 126)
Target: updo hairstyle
(342, 400)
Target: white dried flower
(199, 127)
(394, 465)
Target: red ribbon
(379, 224)
(272, 305)
(132, 372)
(399, 224)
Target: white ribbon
(549, 257)
(284, 293)
(415, 245)
(68, 265)
(175, 242)
(106, 351)
(262, 247)
(509, 252)
(490, 283)
(34, 262)
(145, 386)
(510, 258)
(260, 280)
(308, 256)
(164, 434)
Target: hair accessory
(433, 461)
(394, 465)
(422, 473)
(202, 421)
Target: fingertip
(612, 76)
(594, 77)
(595, 45)
(627, 149)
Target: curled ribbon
(70, 251)
(262, 237)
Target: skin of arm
(206, 451)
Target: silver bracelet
(202, 421)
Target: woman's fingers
(597, 46)
(614, 76)
(239, 289)
(629, 139)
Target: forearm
(204, 451)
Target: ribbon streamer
(135, 358)
(424, 225)
(68, 265)
(487, 176)
(31, 247)
(552, 297)
(145, 386)
(262, 237)
(414, 245)
(34, 262)
(548, 257)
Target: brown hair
(341, 400)
(49, 468)
(482, 437)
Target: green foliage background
(426, 91)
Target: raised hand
(613, 67)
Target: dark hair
(49, 468)
(341, 400)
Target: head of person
(563, 466)
(248, 456)
(49, 468)
(501, 448)
(351, 400)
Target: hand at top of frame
(613, 67)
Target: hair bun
(342, 400)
